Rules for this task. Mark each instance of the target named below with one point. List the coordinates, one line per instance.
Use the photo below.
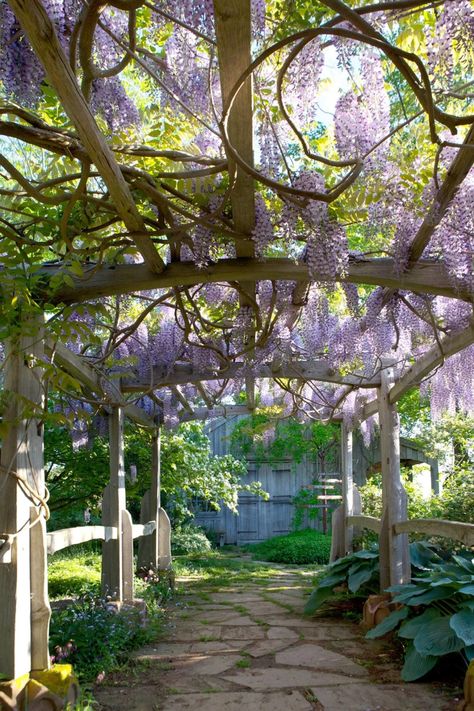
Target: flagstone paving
(250, 649)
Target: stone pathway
(248, 648)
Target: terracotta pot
(468, 703)
(376, 609)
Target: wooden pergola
(25, 611)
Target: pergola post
(148, 546)
(347, 485)
(117, 558)
(394, 551)
(24, 606)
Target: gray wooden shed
(258, 519)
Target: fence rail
(66, 537)
(463, 532)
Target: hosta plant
(437, 616)
(360, 571)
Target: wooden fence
(154, 550)
(462, 532)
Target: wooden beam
(369, 522)
(394, 552)
(347, 485)
(149, 546)
(66, 537)
(113, 504)
(204, 413)
(233, 32)
(434, 357)
(303, 370)
(81, 370)
(457, 172)
(463, 532)
(24, 611)
(42, 36)
(427, 277)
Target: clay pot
(468, 703)
(376, 609)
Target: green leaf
(411, 627)
(467, 590)
(463, 624)
(423, 556)
(416, 665)
(439, 593)
(388, 624)
(469, 652)
(464, 563)
(316, 599)
(411, 592)
(366, 554)
(361, 576)
(331, 580)
(437, 637)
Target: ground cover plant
(299, 548)
(87, 631)
(219, 568)
(95, 638)
(75, 571)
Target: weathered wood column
(394, 552)
(154, 550)
(117, 554)
(148, 546)
(347, 485)
(24, 607)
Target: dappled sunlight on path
(245, 645)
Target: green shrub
(74, 572)
(95, 638)
(299, 548)
(189, 539)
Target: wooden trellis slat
(79, 368)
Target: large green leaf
(440, 593)
(388, 624)
(361, 576)
(463, 624)
(423, 556)
(410, 628)
(410, 592)
(331, 580)
(416, 665)
(316, 599)
(467, 590)
(465, 563)
(366, 555)
(469, 652)
(437, 637)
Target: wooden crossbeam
(424, 366)
(42, 36)
(319, 370)
(80, 369)
(426, 277)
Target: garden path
(245, 646)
